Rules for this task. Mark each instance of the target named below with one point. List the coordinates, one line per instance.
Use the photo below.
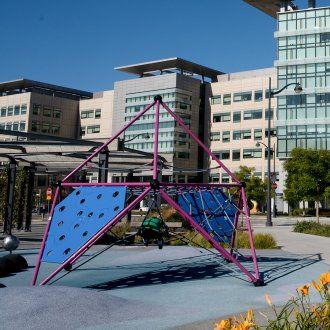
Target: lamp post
(121, 142)
(298, 90)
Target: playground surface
(146, 288)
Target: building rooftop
(24, 85)
(270, 7)
(176, 63)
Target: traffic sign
(274, 185)
(49, 194)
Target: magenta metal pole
(109, 141)
(187, 130)
(155, 164)
(201, 185)
(248, 225)
(233, 237)
(44, 239)
(111, 184)
(216, 245)
(93, 239)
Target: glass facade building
(303, 40)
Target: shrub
(312, 227)
(261, 241)
(296, 212)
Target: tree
(255, 188)
(308, 176)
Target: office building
(239, 118)
(37, 107)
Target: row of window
(226, 99)
(46, 111)
(308, 75)
(303, 40)
(238, 153)
(172, 105)
(90, 113)
(92, 129)
(247, 115)
(291, 21)
(163, 95)
(240, 135)
(44, 127)
(148, 146)
(144, 127)
(14, 126)
(13, 110)
(151, 135)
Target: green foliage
(312, 227)
(119, 231)
(261, 241)
(255, 188)
(308, 175)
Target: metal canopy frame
(158, 190)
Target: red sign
(274, 185)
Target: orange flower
(304, 289)
(325, 278)
(316, 286)
(246, 325)
(269, 302)
(223, 325)
(249, 315)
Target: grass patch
(261, 241)
(312, 227)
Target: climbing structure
(213, 209)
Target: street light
(298, 89)
(121, 142)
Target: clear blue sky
(78, 43)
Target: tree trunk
(317, 211)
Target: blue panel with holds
(79, 217)
(212, 210)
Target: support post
(10, 196)
(29, 198)
(22, 198)
(103, 166)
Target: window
(36, 109)
(82, 130)
(22, 126)
(215, 136)
(8, 126)
(237, 117)
(2, 125)
(225, 154)
(47, 112)
(257, 134)
(296, 99)
(216, 99)
(236, 155)
(225, 178)
(244, 96)
(184, 155)
(56, 129)
(271, 114)
(226, 136)
(45, 128)
(3, 111)
(93, 129)
(10, 110)
(258, 96)
(246, 135)
(97, 113)
(325, 37)
(35, 127)
(16, 110)
(272, 132)
(57, 113)
(23, 109)
(221, 117)
(15, 126)
(252, 153)
(87, 114)
(227, 99)
(252, 114)
(237, 135)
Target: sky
(77, 43)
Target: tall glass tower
(303, 40)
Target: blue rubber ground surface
(147, 288)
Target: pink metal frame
(161, 188)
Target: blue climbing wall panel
(212, 210)
(80, 216)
